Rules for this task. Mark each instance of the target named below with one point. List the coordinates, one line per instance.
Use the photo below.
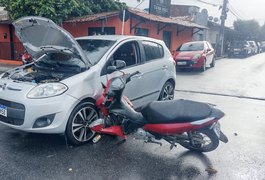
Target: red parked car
(197, 54)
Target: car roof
(117, 38)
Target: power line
(232, 11)
(208, 3)
(141, 2)
(235, 11)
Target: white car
(56, 92)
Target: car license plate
(3, 110)
(181, 63)
(236, 52)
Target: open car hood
(39, 35)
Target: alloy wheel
(80, 124)
(167, 92)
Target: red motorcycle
(194, 125)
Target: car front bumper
(188, 64)
(22, 113)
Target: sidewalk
(8, 64)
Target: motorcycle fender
(97, 125)
(216, 127)
(223, 137)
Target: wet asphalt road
(36, 156)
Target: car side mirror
(119, 64)
(111, 69)
(116, 65)
(208, 50)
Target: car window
(152, 50)
(191, 47)
(239, 43)
(95, 48)
(128, 53)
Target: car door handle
(164, 67)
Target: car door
(128, 51)
(153, 71)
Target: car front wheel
(203, 67)
(213, 62)
(77, 130)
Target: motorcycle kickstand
(149, 140)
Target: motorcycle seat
(175, 111)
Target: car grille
(15, 113)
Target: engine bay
(35, 75)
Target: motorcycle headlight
(47, 90)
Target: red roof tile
(93, 17)
(142, 14)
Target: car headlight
(47, 90)
(196, 57)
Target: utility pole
(222, 31)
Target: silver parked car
(56, 92)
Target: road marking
(220, 94)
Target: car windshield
(95, 48)
(191, 47)
(238, 44)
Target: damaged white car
(56, 92)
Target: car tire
(167, 92)
(77, 129)
(212, 63)
(203, 67)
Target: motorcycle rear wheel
(204, 141)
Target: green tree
(248, 29)
(58, 10)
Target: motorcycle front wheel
(203, 141)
